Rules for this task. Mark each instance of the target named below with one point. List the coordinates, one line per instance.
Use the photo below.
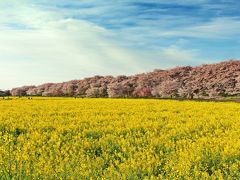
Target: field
(66, 138)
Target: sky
(59, 40)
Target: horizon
(224, 61)
(58, 41)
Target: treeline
(5, 93)
(206, 81)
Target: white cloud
(174, 53)
(218, 28)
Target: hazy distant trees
(4, 93)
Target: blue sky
(58, 40)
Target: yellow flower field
(66, 138)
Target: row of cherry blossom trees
(206, 81)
